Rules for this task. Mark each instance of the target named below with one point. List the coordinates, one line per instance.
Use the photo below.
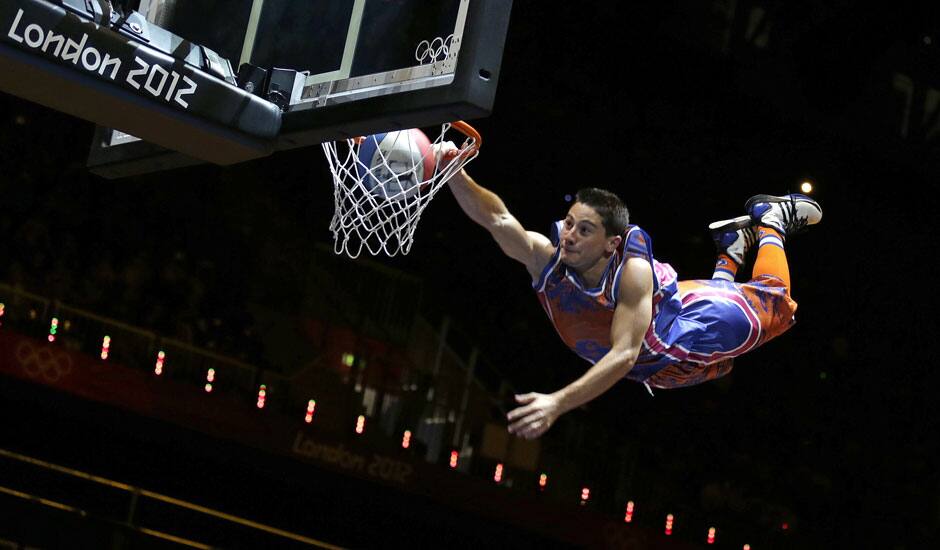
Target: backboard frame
(459, 86)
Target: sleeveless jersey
(695, 329)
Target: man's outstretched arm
(632, 318)
(486, 208)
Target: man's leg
(743, 316)
(771, 256)
(777, 218)
(725, 268)
(733, 238)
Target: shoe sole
(731, 225)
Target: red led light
(711, 536)
(406, 440)
(543, 481)
(628, 517)
(669, 519)
(785, 526)
(158, 368)
(105, 347)
(746, 547)
(585, 495)
(311, 407)
(498, 475)
(453, 459)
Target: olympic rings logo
(434, 51)
(50, 365)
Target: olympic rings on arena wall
(43, 362)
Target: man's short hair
(609, 207)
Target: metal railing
(135, 498)
(435, 395)
(86, 332)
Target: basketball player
(627, 314)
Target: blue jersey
(695, 324)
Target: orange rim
(470, 132)
(459, 125)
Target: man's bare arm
(632, 318)
(532, 249)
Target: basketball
(392, 165)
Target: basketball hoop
(383, 183)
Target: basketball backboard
(336, 68)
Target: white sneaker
(789, 214)
(734, 237)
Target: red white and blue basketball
(392, 165)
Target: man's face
(583, 239)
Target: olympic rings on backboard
(433, 51)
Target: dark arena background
(184, 361)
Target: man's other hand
(536, 415)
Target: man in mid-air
(627, 314)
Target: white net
(383, 183)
